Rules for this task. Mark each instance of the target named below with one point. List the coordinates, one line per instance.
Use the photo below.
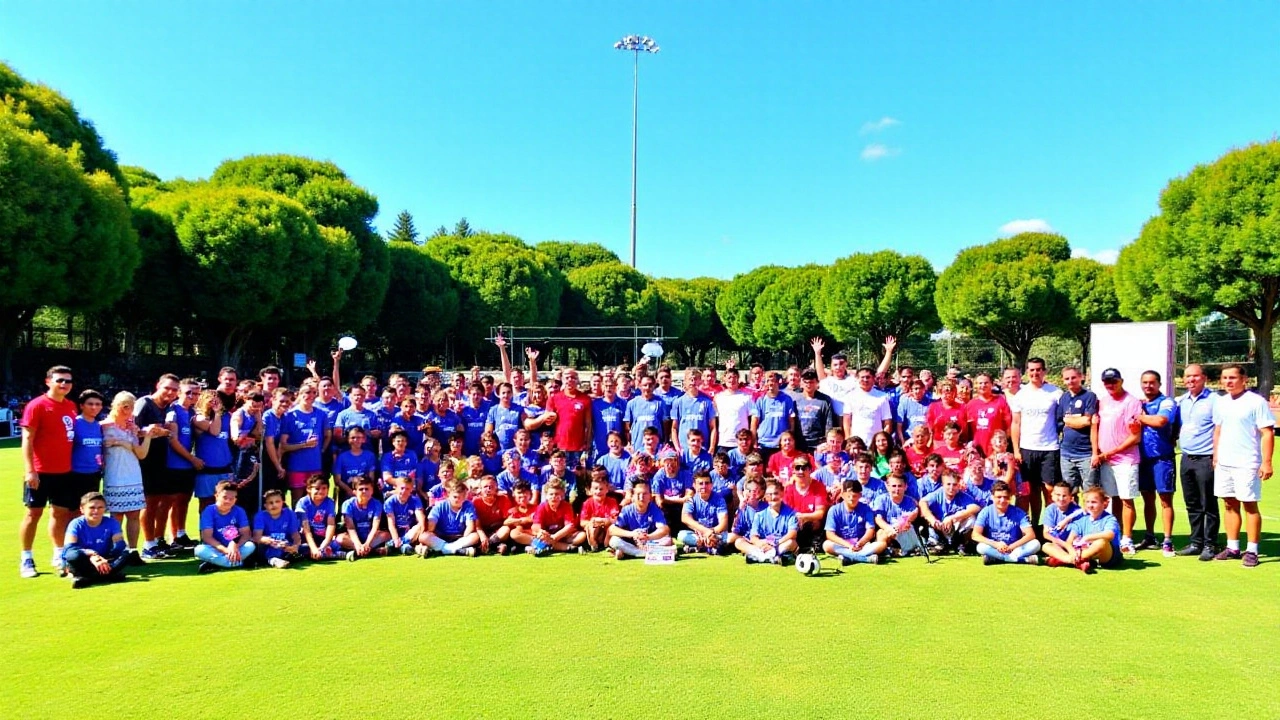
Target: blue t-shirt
(643, 414)
(450, 523)
(401, 466)
(316, 516)
(924, 485)
(668, 396)
(911, 413)
(213, 449)
(941, 506)
(473, 421)
(1086, 525)
(617, 467)
(361, 518)
(507, 481)
(278, 528)
(226, 528)
(443, 426)
(833, 481)
(722, 486)
(745, 517)
(1004, 528)
(892, 511)
(492, 463)
(270, 425)
(505, 422)
(737, 461)
(410, 427)
(86, 453)
(332, 407)
(606, 417)
(690, 412)
(772, 526)
(632, 519)
(299, 426)
(347, 466)
(1157, 443)
(775, 415)
(672, 486)
(363, 418)
(1075, 443)
(179, 417)
(694, 463)
(403, 514)
(1052, 516)
(874, 489)
(97, 539)
(428, 472)
(706, 512)
(849, 524)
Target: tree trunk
(11, 324)
(1266, 359)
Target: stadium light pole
(635, 44)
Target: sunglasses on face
(62, 381)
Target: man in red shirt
(573, 422)
(808, 498)
(986, 412)
(48, 433)
(948, 409)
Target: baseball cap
(1110, 375)
(667, 454)
(809, 374)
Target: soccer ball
(807, 564)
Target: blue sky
(763, 131)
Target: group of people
(861, 464)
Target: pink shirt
(1113, 425)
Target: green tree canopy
(404, 229)
(608, 294)
(736, 304)
(1215, 246)
(675, 304)
(875, 295)
(1090, 289)
(785, 317)
(571, 256)
(423, 307)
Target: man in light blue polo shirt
(1194, 426)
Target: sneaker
(166, 548)
(1087, 567)
(468, 552)
(278, 563)
(1148, 543)
(1250, 560)
(1189, 550)
(988, 560)
(776, 559)
(713, 551)
(133, 559)
(503, 549)
(1031, 560)
(1166, 549)
(206, 568)
(846, 561)
(873, 559)
(748, 559)
(78, 582)
(185, 542)
(528, 550)
(27, 568)
(1208, 553)
(582, 550)
(961, 551)
(350, 555)
(153, 553)
(406, 549)
(1053, 562)
(618, 555)
(1228, 554)
(1128, 548)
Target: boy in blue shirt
(94, 549)
(672, 487)
(353, 464)
(895, 514)
(224, 531)
(317, 517)
(452, 526)
(1055, 523)
(949, 514)
(639, 524)
(1003, 532)
(752, 503)
(773, 529)
(705, 518)
(516, 472)
(276, 531)
(1094, 540)
(694, 458)
(406, 518)
(400, 462)
(851, 528)
(362, 523)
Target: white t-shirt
(1039, 410)
(838, 390)
(734, 412)
(1240, 419)
(867, 412)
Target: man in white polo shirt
(1034, 433)
(733, 410)
(1243, 440)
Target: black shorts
(62, 490)
(155, 480)
(179, 481)
(1040, 467)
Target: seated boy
(705, 517)
(808, 498)
(895, 514)
(353, 464)
(276, 531)
(873, 488)
(317, 516)
(554, 528)
(491, 509)
(224, 531)
(599, 511)
(399, 462)
(693, 457)
(833, 474)
(558, 469)
(362, 522)
(851, 528)
(94, 551)
(753, 502)
(773, 530)
(672, 487)
(1003, 532)
(1055, 523)
(1094, 540)
(516, 472)
(949, 513)
(639, 524)
(406, 518)
(451, 526)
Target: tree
(675, 304)
(463, 229)
(872, 296)
(65, 235)
(423, 290)
(1005, 291)
(571, 256)
(705, 330)
(736, 304)
(608, 294)
(785, 317)
(440, 232)
(1090, 289)
(1215, 246)
(404, 230)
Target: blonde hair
(202, 402)
(119, 401)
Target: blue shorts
(1156, 475)
(207, 484)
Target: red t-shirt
(780, 465)
(592, 509)
(951, 458)
(553, 520)
(572, 417)
(53, 423)
(807, 501)
(517, 512)
(985, 417)
(938, 417)
(490, 517)
(916, 458)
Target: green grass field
(590, 637)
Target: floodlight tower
(635, 44)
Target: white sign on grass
(1132, 348)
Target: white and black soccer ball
(807, 564)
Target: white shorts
(1241, 483)
(1119, 480)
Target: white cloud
(1106, 257)
(1014, 227)
(878, 151)
(875, 126)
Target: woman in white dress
(123, 446)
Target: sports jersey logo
(70, 424)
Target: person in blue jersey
(645, 410)
(833, 475)
(387, 412)
(400, 462)
(444, 422)
(362, 521)
(515, 472)
(505, 418)
(304, 438)
(739, 536)
(949, 513)
(225, 533)
(211, 429)
(639, 524)
(317, 518)
(86, 450)
(692, 410)
(663, 388)
(94, 550)
(355, 463)
(607, 412)
(895, 515)
(616, 462)
(772, 538)
(694, 457)
(1062, 511)
(773, 414)
(1156, 467)
(474, 415)
(753, 470)
(705, 518)
(723, 484)
(1094, 541)
(672, 487)
(276, 531)
(1003, 531)
(745, 441)
(330, 398)
(873, 488)
(913, 411)
(407, 420)
(934, 467)
(529, 455)
(490, 454)
(273, 472)
(851, 528)
(406, 518)
(558, 469)
(356, 415)
(452, 525)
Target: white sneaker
(278, 563)
(27, 568)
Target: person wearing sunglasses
(48, 437)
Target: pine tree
(404, 230)
(463, 229)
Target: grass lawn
(578, 637)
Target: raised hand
(890, 344)
(336, 355)
(311, 365)
(532, 353)
(499, 340)
(817, 344)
